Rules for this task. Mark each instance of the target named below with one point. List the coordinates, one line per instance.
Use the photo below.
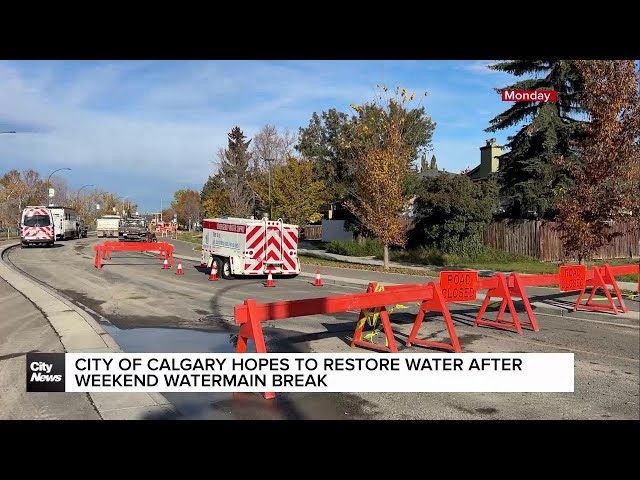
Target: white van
(36, 227)
(64, 222)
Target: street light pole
(123, 204)
(8, 229)
(269, 161)
(49, 178)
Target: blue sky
(147, 128)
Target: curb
(80, 332)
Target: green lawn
(500, 261)
(193, 237)
(372, 268)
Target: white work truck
(64, 222)
(242, 246)
(108, 226)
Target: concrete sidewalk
(77, 331)
(24, 329)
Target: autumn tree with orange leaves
(607, 176)
(382, 151)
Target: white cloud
(153, 127)
(480, 67)
(169, 133)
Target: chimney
(489, 161)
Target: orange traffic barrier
(103, 251)
(499, 287)
(251, 314)
(601, 278)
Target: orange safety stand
(504, 291)
(386, 325)
(435, 304)
(599, 280)
(252, 330)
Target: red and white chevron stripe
(290, 241)
(37, 233)
(274, 244)
(255, 240)
(35, 211)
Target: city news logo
(529, 96)
(45, 372)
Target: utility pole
(269, 161)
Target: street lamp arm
(49, 178)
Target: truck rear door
(273, 246)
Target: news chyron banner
(297, 372)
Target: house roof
(472, 171)
(435, 173)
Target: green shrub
(425, 256)
(473, 256)
(370, 248)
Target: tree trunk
(360, 239)
(386, 257)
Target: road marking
(636, 327)
(560, 347)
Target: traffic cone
(179, 271)
(214, 273)
(165, 264)
(270, 282)
(318, 282)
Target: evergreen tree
(234, 170)
(530, 173)
(434, 162)
(423, 163)
(213, 184)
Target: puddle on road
(171, 340)
(226, 406)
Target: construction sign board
(573, 277)
(459, 286)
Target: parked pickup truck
(135, 229)
(83, 229)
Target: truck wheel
(224, 268)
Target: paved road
(23, 329)
(189, 313)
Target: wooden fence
(312, 232)
(540, 240)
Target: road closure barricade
(605, 277)
(432, 301)
(454, 286)
(506, 288)
(250, 314)
(103, 251)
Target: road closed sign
(573, 277)
(459, 286)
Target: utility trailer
(242, 246)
